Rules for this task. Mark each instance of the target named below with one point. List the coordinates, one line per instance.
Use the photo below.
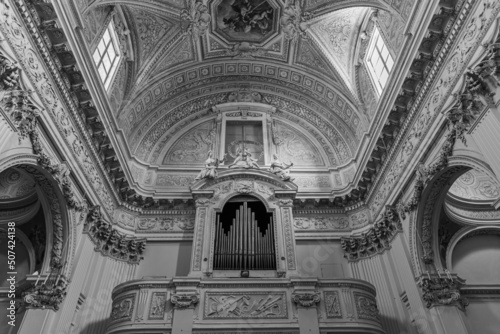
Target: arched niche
(431, 214)
(213, 194)
(473, 254)
(60, 230)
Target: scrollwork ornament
(374, 241)
(184, 301)
(306, 299)
(46, 295)
(442, 291)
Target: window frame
(102, 52)
(383, 64)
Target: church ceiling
(187, 57)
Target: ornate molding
(110, 242)
(44, 296)
(306, 299)
(366, 306)
(184, 301)
(197, 16)
(294, 19)
(442, 291)
(374, 241)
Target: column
(202, 237)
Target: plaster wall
(475, 259)
(322, 259)
(483, 316)
(166, 259)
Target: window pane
(111, 52)
(102, 72)
(380, 43)
(383, 77)
(106, 61)
(96, 57)
(106, 37)
(389, 63)
(384, 53)
(101, 47)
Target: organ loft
(249, 166)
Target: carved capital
(46, 295)
(183, 301)
(111, 242)
(306, 299)
(374, 241)
(442, 291)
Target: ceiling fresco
(252, 21)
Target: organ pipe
(244, 244)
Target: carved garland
(110, 242)
(374, 241)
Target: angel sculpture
(211, 165)
(293, 21)
(244, 159)
(198, 17)
(281, 169)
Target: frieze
(474, 214)
(375, 240)
(286, 214)
(320, 223)
(245, 305)
(111, 242)
(165, 224)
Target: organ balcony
(218, 305)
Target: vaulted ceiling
(184, 57)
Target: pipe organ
(242, 242)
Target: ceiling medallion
(251, 21)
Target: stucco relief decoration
(306, 299)
(183, 301)
(192, 147)
(294, 19)
(293, 146)
(123, 308)
(47, 295)
(245, 50)
(158, 305)
(375, 240)
(366, 307)
(442, 291)
(244, 159)
(250, 305)
(197, 17)
(320, 223)
(110, 242)
(170, 223)
(332, 304)
(9, 73)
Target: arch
(426, 220)
(59, 225)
